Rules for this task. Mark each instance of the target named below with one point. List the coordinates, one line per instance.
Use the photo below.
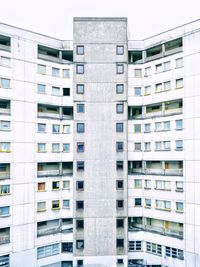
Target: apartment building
(99, 147)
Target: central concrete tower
(100, 154)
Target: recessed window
(137, 128)
(79, 224)
(120, 223)
(134, 246)
(67, 247)
(66, 91)
(79, 204)
(179, 62)
(66, 148)
(41, 88)
(120, 68)
(120, 108)
(137, 91)
(119, 127)
(167, 86)
(80, 127)
(154, 248)
(119, 165)
(147, 71)
(79, 69)
(179, 206)
(55, 91)
(80, 244)
(55, 185)
(41, 69)
(159, 68)
(179, 186)
(41, 128)
(4, 125)
(41, 186)
(56, 128)
(147, 128)
(4, 189)
(66, 204)
(4, 211)
(120, 204)
(158, 87)
(179, 83)
(79, 263)
(120, 261)
(166, 126)
(80, 50)
(147, 184)
(120, 243)
(167, 66)
(80, 166)
(55, 147)
(137, 146)
(80, 108)
(41, 147)
(41, 206)
(120, 50)
(119, 88)
(80, 89)
(66, 185)
(48, 251)
(147, 202)
(138, 183)
(119, 146)
(147, 146)
(179, 124)
(138, 202)
(158, 126)
(147, 90)
(80, 185)
(4, 147)
(5, 83)
(66, 73)
(138, 73)
(5, 61)
(55, 72)
(66, 129)
(80, 147)
(55, 205)
(119, 184)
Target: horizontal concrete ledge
(100, 19)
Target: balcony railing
(4, 239)
(5, 47)
(49, 115)
(67, 172)
(178, 172)
(173, 111)
(48, 231)
(173, 51)
(4, 175)
(48, 173)
(5, 111)
(173, 171)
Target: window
(158, 126)
(56, 148)
(4, 125)
(120, 261)
(4, 147)
(119, 127)
(4, 211)
(138, 202)
(134, 246)
(147, 128)
(119, 165)
(138, 73)
(163, 205)
(55, 72)
(55, 205)
(80, 108)
(119, 88)
(147, 90)
(66, 204)
(80, 88)
(66, 91)
(159, 68)
(166, 145)
(41, 88)
(55, 91)
(66, 148)
(79, 204)
(41, 69)
(120, 204)
(154, 248)
(138, 183)
(163, 185)
(66, 129)
(66, 185)
(137, 91)
(179, 62)
(66, 73)
(179, 83)
(147, 146)
(174, 253)
(79, 263)
(55, 185)
(137, 128)
(41, 206)
(5, 61)
(119, 184)
(120, 243)
(41, 128)
(79, 69)
(80, 185)
(41, 186)
(79, 224)
(67, 247)
(167, 66)
(48, 251)
(179, 206)
(80, 127)
(167, 86)
(166, 126)
(120, 50)
(80, 50)
(120, 223)
(5, 83)
(80, 166)
(179, 124)
(120, 68)
(179, 144)
(147, 71)
(119, 146)
(80, 147)
(147, 184)
(42, 147)
(79, 244)
(137, 146)
(158, 87)
(147, 202)
(4, 190)
(179, 186)
(56, 128)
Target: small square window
(66, 91)
(41, 206)
(179, 124)
(66, 204)
(80, 127)
(4, 211)
(55, 72)
(55, 185)
(79, 263)
(5, 83)
(138, 73)
(80, 108)
(41, 69)
(41, 147)
(137, 128)
(137, 146)
(56, 147)
(5, 61)
(120, 204)
(120, 108)
(119, 127)
(55, 128)
(55, 91)
(66, 129)
(147, 128)
(41, 128)
(80, 165)
(66, 185)
(167, 66)
(4, 125)
(120, 261)
(138, 202)
(147, 90)
(41, 187)
(66, 73)
(120, 50)
(119, 165)
(179, 62)
(179, 83)
(119, 146)
(79, 204)
(120, 243)
(80, 147)
(119, 184)
(179, 145)
(147, 202)
(119, 88)
(79, 224)
(55, 204)
(80, 244)
(80, 185)
(80, 89)
(147, 146)
(41, 88)
(120, 223)
(120, 68)
(66, 148)
(80, 49)
(79, 69)
(137, 91)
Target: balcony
(4, 107)
(55, 112)
(55, 55)
(55, 169)
(5, 43)
(4, 171)
(4, 236)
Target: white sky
(55, 17)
